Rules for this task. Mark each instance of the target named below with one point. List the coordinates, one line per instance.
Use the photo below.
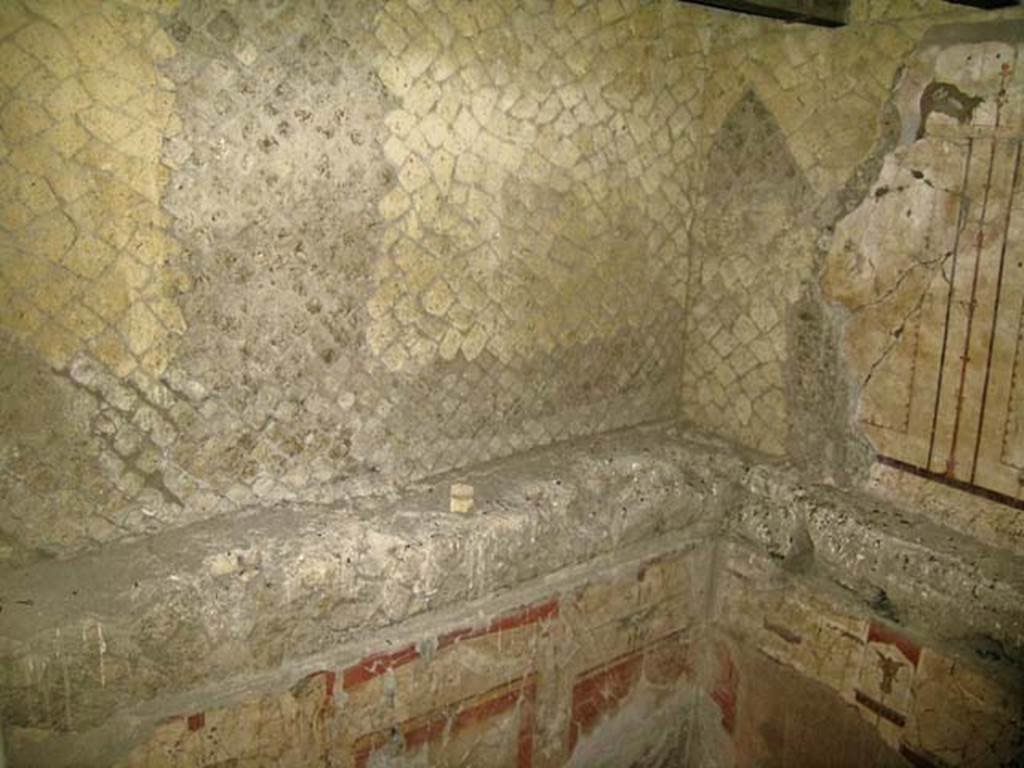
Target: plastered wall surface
(83, 271)
(82, 639)
(941, 391)
(188, 648)
(921, 705)
(792, 117)
(247, 336)
(486, 190)
(819, 328)
(808, 319)
(528, 688)
(293, 251)
(268, 268)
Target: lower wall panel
(771, 716)
(614, 665)
(602, 672)
(799, 674)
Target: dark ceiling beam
(986, 3)
(824, 13)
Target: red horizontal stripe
(520, 618)
(377, 664)
(879, 633)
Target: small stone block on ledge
(462, 499)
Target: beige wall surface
(299, 251)
(266, 252)
(856, 291)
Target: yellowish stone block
(20, 120)
(110, 350)
(95, 40)
(67, 99)
(140, 328)
(66, 138)
(393, 204)
(49, 47)
(14, 64)
(438, 298)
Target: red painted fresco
(669, 659)
(377, 664)
(880, 633)
(420, 731)
(522, 617)
(725, 693)
(601, 691)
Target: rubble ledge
(81, 637)
(242, 599)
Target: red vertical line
(971, 305)
(949, 299)
(979, 240)
(914, 367)
(527, 722)
(995, 311)
(1008, 435)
